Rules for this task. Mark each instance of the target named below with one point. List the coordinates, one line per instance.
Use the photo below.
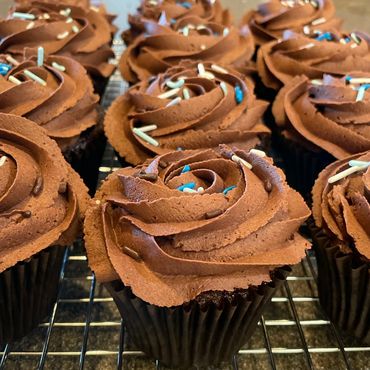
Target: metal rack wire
(85, 331)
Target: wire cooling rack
(85, 330)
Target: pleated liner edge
(344, 286)
(194, 334)
(28, 292)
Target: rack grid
(85, 331)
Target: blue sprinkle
(348, 78)
(173, 21)
(4, 68)
(239, 95)
(228, 189)
(189, 185)
(179, 149)
(347, 40)
(324, 36)
(186, 5)
(186, 169)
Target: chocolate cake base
(28, 292)
(206, 331)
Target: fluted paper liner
(193, 333)
(28, 292)
(344, 286)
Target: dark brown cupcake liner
(86, 155)
(28, 292)
(100, 84)
(301, 165)
(344, 286)
(200, 333)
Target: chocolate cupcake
(73, 31)
(273, 18)
(42, 202)
(57, 94)
(170, 12)
(190, 38)
(278, 62)
(320, 121)
(341, 235)
(191, 106)
(191, 245)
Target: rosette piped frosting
(191, 38)
(334, 53)
(194, 105)
(272, 18)
(169, 12)
(332, 114)
(341, 203)
(64, 29)
(189, 222)
(42, 201)
(57, 94)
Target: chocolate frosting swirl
(41, 199)
(193, 38)
(343, 208)
(169, 246)
(65, 107)
(174, 11)
(326, 114)
(206, 119)
(278, 62)
(272, 18)
(67, 30)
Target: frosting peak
(193, 221)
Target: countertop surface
(280, 330)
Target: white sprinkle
(175, 85)
(202, 47)
(185, 31)
(225, 31)
(11, 60)
(34, 77)
(40, 56)
(318, 21)
(69, 20)
(201, 68)
(44, 16)
(153, 2)
(354, 46)
(14, 80)
(345, 173)
(355, 38)
(354, 163)
(201, 27)
(75, 29)
(23, 16)
(260, 153)
(343, 41)
(65, 12)
(145, 137)
(186, 93)
(148, 128)
(30, 25)
(97, 201)
(58, 66)
(314, 3)
(200, 189)
(306, 30)
(239, 160)
(188, 190)
(218, 69)
(169, 93)
(174, 102)
(63, 35)
(361, 92)
(308, 46)
(94, 8)
(317, 82)
(207, 75)
(223, 87)
(359, 80)
(3, 160)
